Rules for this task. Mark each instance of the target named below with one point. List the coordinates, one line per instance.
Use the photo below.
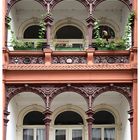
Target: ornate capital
(90, 20)
(6, 113)
(130, 112)
(48, 20)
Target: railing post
(48, 56)
(90, 56)
(5, 57)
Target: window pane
(60, 135)
(27, 134)
(109, 134)
(40, 134)
(76, 134)
(96, 134)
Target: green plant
(120, 44)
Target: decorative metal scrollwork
(111, 59)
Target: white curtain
(76, 134)
(96, 134)
(60, 134)
(109, 134)
(40, 134)
(27, 134)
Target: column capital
(47, 112)
(130, 112)
(90, 20)
(48, 20)
(6, 113)
(90, 112)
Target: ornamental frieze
(48, 91)
(111, 59)
(69, 67)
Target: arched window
(68, 118)
(69, 125)
(33, 128)
(32, 32)
(69, 32)
(103, 126)
(109, 30)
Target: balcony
(89, 59)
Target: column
(6, 113)
(135, 110)
(47, 121)
(90, 120)
(130, 112)
(90, 24)
(48, 20)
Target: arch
(26, 24)
(116, 89)
(68, 118)
(68, 107)
(65, 89)
(55, 2)
(23, 89)
(127, 3)
(110, 31)
(34, 118)
(71, 22)
(26, 110)
(13, 2)
(110, 109)
(74, 33)
(31, 32)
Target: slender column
(135, 109)
(90, 24)
(47, 121)
(48, 20)
(130, 112)
(90, 120)
(6, 113)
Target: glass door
(68, 134)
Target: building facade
(60, 82)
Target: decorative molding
(69, 60)
(111, 59)
(85, 67)
(26, 60)
(49, 91)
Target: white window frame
(34, 127)
(102, 127)
(69, 129)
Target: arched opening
(32, 123)
(118, 105)
(29, 119)
(69, 32)
(109, 30)
(34, 118)
(68, 118)
(69, 126)
(103, 117)
(104, 126)
(32, 32)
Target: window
(68, 126)
(33, 126)
(104, 126)
(69, 32)
(32, 32)
(110, 31)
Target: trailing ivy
(120, 44)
